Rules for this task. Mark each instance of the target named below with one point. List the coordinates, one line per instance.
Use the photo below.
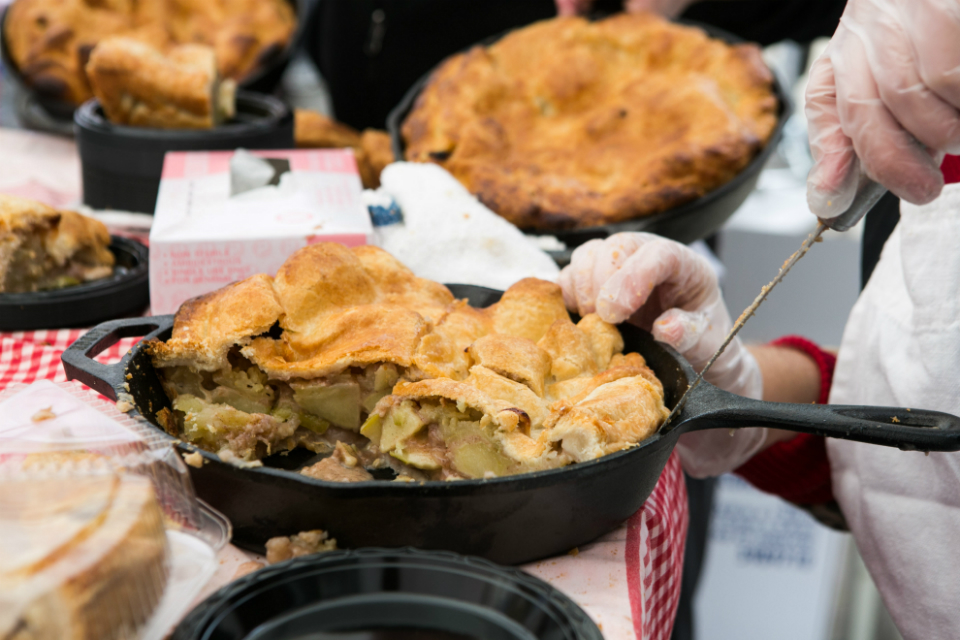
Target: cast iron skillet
(387, 593)
(685, 223)
(509, 520)
(125, 293)
(264, 78)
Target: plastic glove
(667, 8)
(668, 289)
(886, 91)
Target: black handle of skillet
(78, 359)
(708, 407)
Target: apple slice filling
(441, 439)
(240, 409)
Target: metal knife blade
(868, 192)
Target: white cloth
(901, 347)
(447, 235)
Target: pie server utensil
(867, 195)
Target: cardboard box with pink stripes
(223, 216)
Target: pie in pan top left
(62, 269)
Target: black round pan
(125, 293)
(403, 594)
(509, 520)
(685, 223)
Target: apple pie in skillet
(345, 352)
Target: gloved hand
(887, 92)
(668, 289)
(666, 8)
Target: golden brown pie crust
(50, 41)
(39, 243)
(91, 556)
(509, 378)
(569, 123)
(372, 148)
(141, 86)
(312, 129)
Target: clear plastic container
(101, 534)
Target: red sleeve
(797, 470)
(951, 169)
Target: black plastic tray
(510, 519)
(685, 223)
(380, 593)
(121, 165)
(125, 293)
(59, 113)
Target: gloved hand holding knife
(883, 101)
(869, 103)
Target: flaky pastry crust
(207, 327)
(51, 41)
(45, 248)
(350, 339)
(139, 85)
(570, 124)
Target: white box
(203, 239)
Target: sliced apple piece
(372, 428)
(418, 459)
(338, 403)
(476, 459)
(401, 423)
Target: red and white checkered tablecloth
(628, 581)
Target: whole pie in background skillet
(569, 123)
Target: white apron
(901, 347)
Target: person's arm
(795, 466)
(789, 375)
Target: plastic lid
(100, 528)
(65, 426)
(85, 552)
(395, 594)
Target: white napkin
(901, 347)
(248, 172)
(447, 235)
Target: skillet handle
(907, 429)
(78, 358)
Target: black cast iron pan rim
(88, 117)
(551, 600)
(120, 294)
(577, 236)
(63, 110)
(113, 283)
(74, 358)
(707, 407)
